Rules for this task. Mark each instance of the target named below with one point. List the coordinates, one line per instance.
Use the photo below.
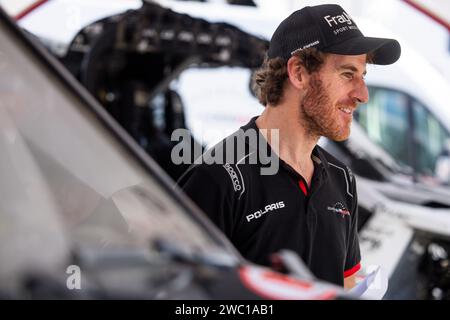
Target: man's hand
(350, 282)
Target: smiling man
(310, 84)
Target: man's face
(333, 94)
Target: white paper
(373, 286)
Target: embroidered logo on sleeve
(233, 176)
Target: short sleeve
(353, 255)
(210, 191)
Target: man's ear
(297, 74)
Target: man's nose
(360, 93)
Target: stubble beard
(318, 115)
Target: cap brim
(385, 51)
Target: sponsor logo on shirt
(234, 178)
(339, 208)
(270, 207)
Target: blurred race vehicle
(406, 115)
(85, 213)
(404, 226)
(130, 62)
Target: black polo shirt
(262, 214)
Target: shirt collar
(317, 154)
(319, 157)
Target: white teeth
(346, 110)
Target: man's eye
(348, 75)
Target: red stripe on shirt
(303, 187)
(352, 271)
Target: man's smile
(346, 110)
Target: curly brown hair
(269, 80)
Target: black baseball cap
(330, 29)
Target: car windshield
(65, 179)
